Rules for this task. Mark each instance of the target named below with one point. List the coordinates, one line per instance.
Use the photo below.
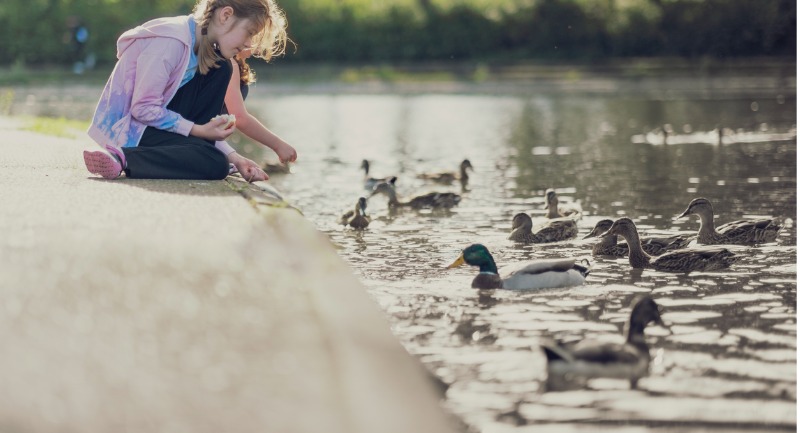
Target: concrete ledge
(179, 306)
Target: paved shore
(183, 306)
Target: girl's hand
(285, 153)
(249, 170)
(213, 130)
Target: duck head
(465, 164)
(698, 206)
(365, 166)
(600, 228)
(644, 311)
(476, 255)
(362, 205)
(621, 227)
(550, 197)
(521, 220)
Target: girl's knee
(218, 168)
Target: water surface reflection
(730, 359)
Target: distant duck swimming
(448, 177)
(702, 259)
(741, 232)
(551, 202)
(370, 182)
(589, 359)
(530, 275)
(654, 246)
(357, 218)
(433, 200)
(552, 231)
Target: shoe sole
(101, 163)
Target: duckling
(448, 177)
(370, 182)
(551, 202)
(357, 218)
(685, 260)
(741, 232)
(654, 246)
(536, 274)
(589, 359)
(436, 200)
(552, 231)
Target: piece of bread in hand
(230, 120)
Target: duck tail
(584, 267)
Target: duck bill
(606, 234)
(591, 234)
(658, 321)
(459, 261)
(677, 217)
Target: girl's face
(234, 35)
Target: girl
(156, 116)
(238, 88)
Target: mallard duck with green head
(530, 275)
(590, 358)
(702, 259)
(370, 182)
(357, 218)
(552, 231)
(741, 232)
(654, 246)
(448, 177)
(551, 203)
(433, 200)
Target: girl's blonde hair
(246, 75)
(265, 14)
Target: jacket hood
(172, 27)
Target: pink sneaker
(108, 162)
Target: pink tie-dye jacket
(152, 61)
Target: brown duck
(433, 200)
(591, 358)
(356, 218)
(654, 246)
(551, 202)
(685, 260)
(741, 232)
(448, 177)
(552, 231)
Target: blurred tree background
(38, 32)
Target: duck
(448, 176)
(433, 200)
(529, 275)
(590, 358)
(741, 232)
(686, 260)
(654, 246)
(370, 182)
(552, 231)
(356, 218)
(551, 202)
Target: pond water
(728, 360)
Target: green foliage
(58, 127)
(38, 31)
